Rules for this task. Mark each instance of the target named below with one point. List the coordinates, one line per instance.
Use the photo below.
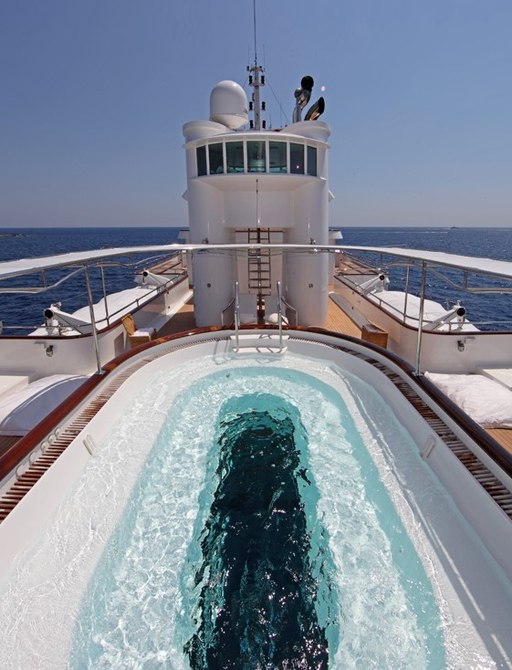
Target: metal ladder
(258, 261)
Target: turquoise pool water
(162, 581)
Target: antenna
(256, 80)
(255, 40)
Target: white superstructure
(257, 186)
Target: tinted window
(256, 156)
(277, 157)
(312, 161)
(201, 161)
(297, 158)
(215, 156)
(235, 156)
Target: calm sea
(25, 243)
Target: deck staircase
(258, 260)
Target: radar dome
(228, 104)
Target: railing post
(104, 294)
(280, 316)
(93, 320)
(420, 316)
(406, 293)
(237, 315)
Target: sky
(94, 94)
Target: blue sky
(94, 94)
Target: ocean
(29, 242)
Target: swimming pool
(129, 583)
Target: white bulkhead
(256, 186)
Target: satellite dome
(228, 104)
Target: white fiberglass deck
(414, 586)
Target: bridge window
(235, 156)
(277, 157)
(251, 156)
(256, 157)
(312, 169)
(201, 161)
(296, 158)
(216, 159)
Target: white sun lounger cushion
(486, 401)
(24, 409)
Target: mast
(256, 81)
